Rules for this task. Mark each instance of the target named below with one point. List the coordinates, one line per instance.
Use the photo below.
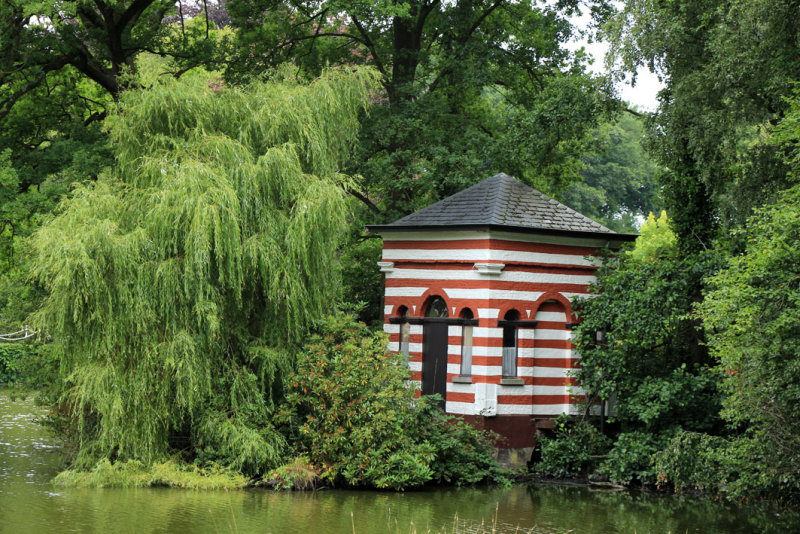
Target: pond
(29, 502)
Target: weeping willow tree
(180, 282)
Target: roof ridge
(502, 200)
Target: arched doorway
(434, 348)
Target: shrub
(297, 474)
(349, 410)
(15, 361)
(463, 453)
(689, 462)
(633, 458)
(573, 450)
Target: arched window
(436, 308)
(466, 344)
(510, 345)
(405, 330)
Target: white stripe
(554, 353)
(509, 276)
(514, 409)
(405, 291)
(486, 370)
(551, 409)
(391, 328)
(551, 372)
(484, 255)
(554, 317)
(552, 335)
(484, 331)
(525, 391)
(488, 313)
(498, 294)
(460, 388)
(461, 408)
(415, 366)
(387, 309)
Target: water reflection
(30, 503)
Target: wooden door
(434, 358)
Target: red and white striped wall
(491, 273)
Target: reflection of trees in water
(38, 506)
(595, 511)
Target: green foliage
(619, 179)
(11, 355)
(574, 449)
(656, 239)
(463, 454)
(135, 474)
(180, 282)
(649, 361)
(752, 310)
(348, 410)
(727, 66)
(22, 363)
(363, 282)
(297, 474)
(689, 462)
(471, 89)
(743, 466)
(632, 458)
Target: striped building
(478, 290)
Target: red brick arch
(558, 297)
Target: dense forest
(184, 188)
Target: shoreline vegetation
(181, 193)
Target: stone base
(514, 458)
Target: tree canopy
(471, 88)
(181, 280)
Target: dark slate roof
(501, 201)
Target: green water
(29, 458)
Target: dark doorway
(434, 359)
(434, 348)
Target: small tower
(478, 290)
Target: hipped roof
(502, 202)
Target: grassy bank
(171, 474)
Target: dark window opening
(510, 342)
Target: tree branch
(130, 15)
(365, 200)
(370, 44)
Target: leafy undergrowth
(134, 474)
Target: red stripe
(523, 267)
(553, 325)
(466, 265)
(538, 399)
(487, 284)
(491, 244)
(473, 304)
(453, 396)
(558, 363)
(529, 381)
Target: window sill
(512, 382)
(462, 380)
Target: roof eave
(383, 228)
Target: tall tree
(618, 186)
(728, 66)
(63, 63)
(470, 88)
(179, 281)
